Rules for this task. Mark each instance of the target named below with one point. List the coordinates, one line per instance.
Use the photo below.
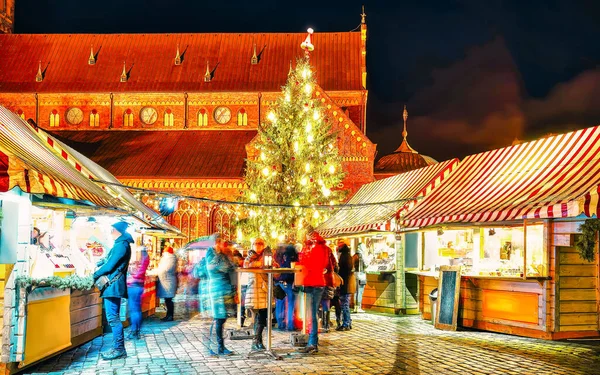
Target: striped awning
(552, 177)
(405, 188)
(94, 171)
(28, 163)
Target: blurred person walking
(167, 280)
(135, 289)
(218, 267)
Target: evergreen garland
(586, 243)
(68, 282)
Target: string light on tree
(296, 137)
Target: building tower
(7, 16)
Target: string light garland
(252, 204)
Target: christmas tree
(297, 164)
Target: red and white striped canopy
(405, 189)
(552, 177)
(27, 162)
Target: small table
(269, 271)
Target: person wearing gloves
(114, 267)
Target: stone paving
(376, 345)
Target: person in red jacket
(315, 259)
(135, 289)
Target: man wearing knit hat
(114, 267)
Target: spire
(177, 56)
(207, 75)
(92, 59)
(363, 16)
(254, 59)
(39, 77)
(291, 68)
(124, 75)
(404, 146)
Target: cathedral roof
(95, 62)
(404, 159)
(164, 154)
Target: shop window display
(516, 251)
(381, 252)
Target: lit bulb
(274, 234)
(316, 215)
(265, 171)
(310, 138)
(331, 169)
(271, 116)
(332, 203)
(303, 181)
(288, 97)
(240, 235)
(252, 213)
(316, 115)
(296, 146)
(326, 192)
(308, 88)
(307, 167)
(305, 73)
(296, 203)
(253, 196)
(308, 126)
(263, 156)
(281, 237)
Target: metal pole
(239, 306)
(269, 312)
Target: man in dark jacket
(115, 268)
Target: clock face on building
(222, 115)
(74, 116)
(148, 115)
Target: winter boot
(255, 340)
(326, 322)
(259, 337)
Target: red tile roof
(164, 154)
(150, 61)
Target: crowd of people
(327, 278)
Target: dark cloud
(479, 103)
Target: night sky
(474, 74)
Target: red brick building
(178, 112)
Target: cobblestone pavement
(376, 345)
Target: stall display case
(381, 253)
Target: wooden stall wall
(380, 292)
(86, 316)
(514, 307)
(576, 285)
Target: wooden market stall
(373, 224)
(46, 190)
(511, 217)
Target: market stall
(52, 233)
(372, 226)
(510, 218)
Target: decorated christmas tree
(297, 166)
